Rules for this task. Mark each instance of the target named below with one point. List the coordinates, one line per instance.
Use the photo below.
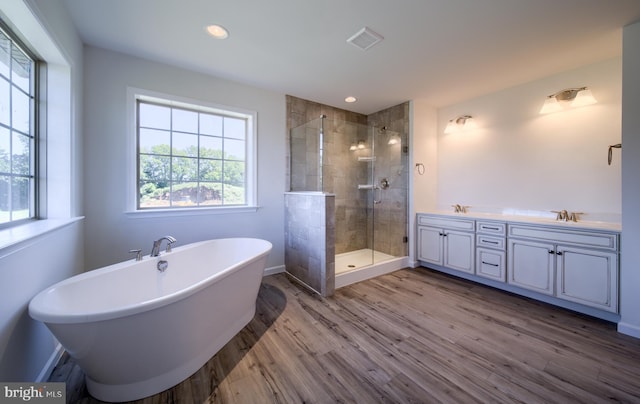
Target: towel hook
(611, 147)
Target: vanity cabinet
(447, 242)
(574, 265)
(559, 263)
(490, 250)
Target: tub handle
(138, 253)
(162, 265)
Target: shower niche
(346, 211)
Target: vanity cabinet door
(588, 277)
(430, 244)
(459, 248)
(531, 265)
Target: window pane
(155, 116)
(233, 194)
(234, 173)
(154, 141)
(155, 169)
(235, 128)
(5, 104)
(20, 154)
(210, 170)
(234, 149)
(210, 147)
(17, 142)
(21, 110)
(21, 197)
(185, 144)
(184, 169)
(5, 213)
(184, 194)
(210, 193)
(211, 125)
(5, 151)
(5, 49)
(21, 69)
(185, 121)
(151, 196)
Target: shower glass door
(368, 182)
(389, 204)
(347, 170)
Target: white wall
(110, 233)
(29, 266)
(519, 159)
(423, 164)
(424, 153)
(630, 253)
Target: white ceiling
(442, 51)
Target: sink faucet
(457, 208)
(574, 216)
(561, 215)
(564, 215)
(155, 250)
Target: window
(192, 156)
(17, 134)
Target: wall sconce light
(394, 139)
(464, 122)
(355, 146)
(577, 97)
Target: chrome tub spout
(155, 250)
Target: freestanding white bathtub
(136, 331)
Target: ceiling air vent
(365, 38)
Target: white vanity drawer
(497, 228)
(490, 242)
(577, 237)
(447, 223)
(491, 264)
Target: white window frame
(135, 94)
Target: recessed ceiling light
(350, 99)
(217, 31)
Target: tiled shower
(346, 209)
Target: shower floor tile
(353, 260)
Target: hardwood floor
(414, 336)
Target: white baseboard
(51, 364)
(274, 270)
(629, 329)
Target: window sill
(190, 211)
(16, 238)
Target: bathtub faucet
(155, 251)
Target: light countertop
(531, 219)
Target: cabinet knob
(551, 252)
